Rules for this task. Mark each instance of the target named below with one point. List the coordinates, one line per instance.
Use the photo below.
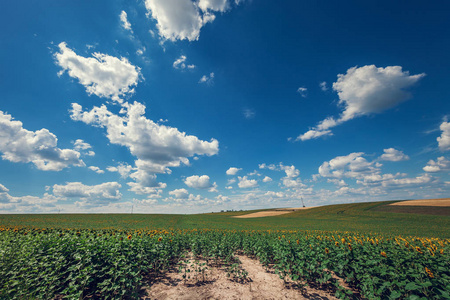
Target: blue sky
(187, 106)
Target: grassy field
(379, 252)
(375, 217)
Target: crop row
(46, 263)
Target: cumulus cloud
(267, 179)
(180, 193)
(441, 164)
(363, 91)
(444, 139)
(157, 147)
(392, 154)
(183, 19)
(302, 91)
(38, 147)
(200, 182)
(95, 195)
(3, 189)
(102, 75)
(209, 80)
(323, 86)
(180, 63)
(124, 20)
(245, 183)
(123, 169)
(352, 165)
(96, 169)
(233, 171)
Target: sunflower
(383, 253)
(327, 251)
(129, 237)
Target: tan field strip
(271, 213)
(444, 202)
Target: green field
(375, 217)
(379, 252)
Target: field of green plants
(118, 256)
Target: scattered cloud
(180, 193)
(363, 91)
(323, 86)
(267, 179)
(124, 21)
(233, 171)
(302, 91)
(444, 139)
(18, 144)
(352, 165)
(441, 164)
(90, 195)
(249, 113)
(245, 183)
(180, 63)
(157, 147)
(208, 80)
(102, 75)
(96, 169)
(201, 183)
(183, 19)
(392, 154)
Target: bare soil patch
(444, 202)
(259, 284)
(271, 213)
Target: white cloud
(180, 63)
(214, 5)
(337, 181)
(81, 145)
(102, 75)
(444, 139)
(200, 182)
(233, 171)
(249, 113)
(267, 179)
(270, 167)
(289, 182)
(38, 147)
(352, 165)
(180, 193)
(231, 181)
(123, 169)
(392, 154)
(245, 183)
(291, 171)
(363, 91)
(302, 91)
(183, 19)
(441, 164)
(3, 189)
(323, 86)
(208, 80)
(125, 24)
(96, 169)
(141, 51)
(96, 195)
(156, 146)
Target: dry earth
(270, 213)
(261, 284)
(444, 202)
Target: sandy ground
(445, 202)
(270, 213)
(259, 285)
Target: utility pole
(302, 202)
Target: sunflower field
(58, 263)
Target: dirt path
(262, 285)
